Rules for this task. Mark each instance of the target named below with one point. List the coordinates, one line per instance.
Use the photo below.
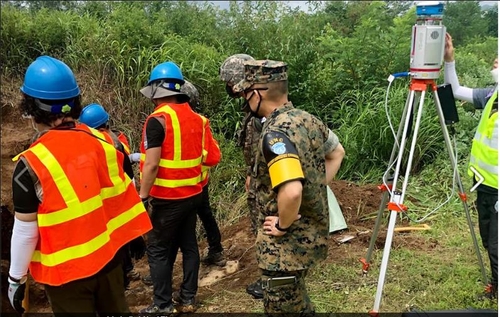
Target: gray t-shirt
(480, 96)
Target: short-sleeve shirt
(306, 240)
(480, 96)
(155, 133)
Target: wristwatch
(22, 280)
(277, 225)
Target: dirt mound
(16, 134)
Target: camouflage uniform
(249, 140)
(231, 72)
(305, 243)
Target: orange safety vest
(204, 168)
(188, 145)
(89, 209)
(124, 141)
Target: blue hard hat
(94, 115)
(50, 79)
(168, 71)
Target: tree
(97, 9)
(398, 8)
(491, 16)
(464, 20)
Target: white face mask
(494, 74)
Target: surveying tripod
(393, 196)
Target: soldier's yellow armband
(282, 159)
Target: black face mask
(246, 105)
(247, 102)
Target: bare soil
(359, 204)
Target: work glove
(137, 248)
(16, 294)
(135, 157)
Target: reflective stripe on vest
(204, 169)
(178, 177)
(484, 152)
(124, 141)
(204, 175)
(82, 226)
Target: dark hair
(103, 126)
(277, 89)
(28, 107)
(182, 98)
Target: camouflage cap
(261, 72)
(190, 90)
(232, 69)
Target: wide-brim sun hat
(156, 91)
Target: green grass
(446, 278)
(435, 270)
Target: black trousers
(102, 293)
(207, 218)
(174, 227)
(488, 229)
(128, 264)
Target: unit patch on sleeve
(282, 159)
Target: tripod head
(428, 40)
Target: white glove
(135, 157)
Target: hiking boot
(184, 306)
(153, 309)
(133, 275)
(490, 293)
(216, 258)
(255, 289)
(147, 280)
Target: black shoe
(216, 258)
(255, 289)
(147, 280)
(153, 308)
(183, 305)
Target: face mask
(246, 105)
(256, 112)
(494, 74)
